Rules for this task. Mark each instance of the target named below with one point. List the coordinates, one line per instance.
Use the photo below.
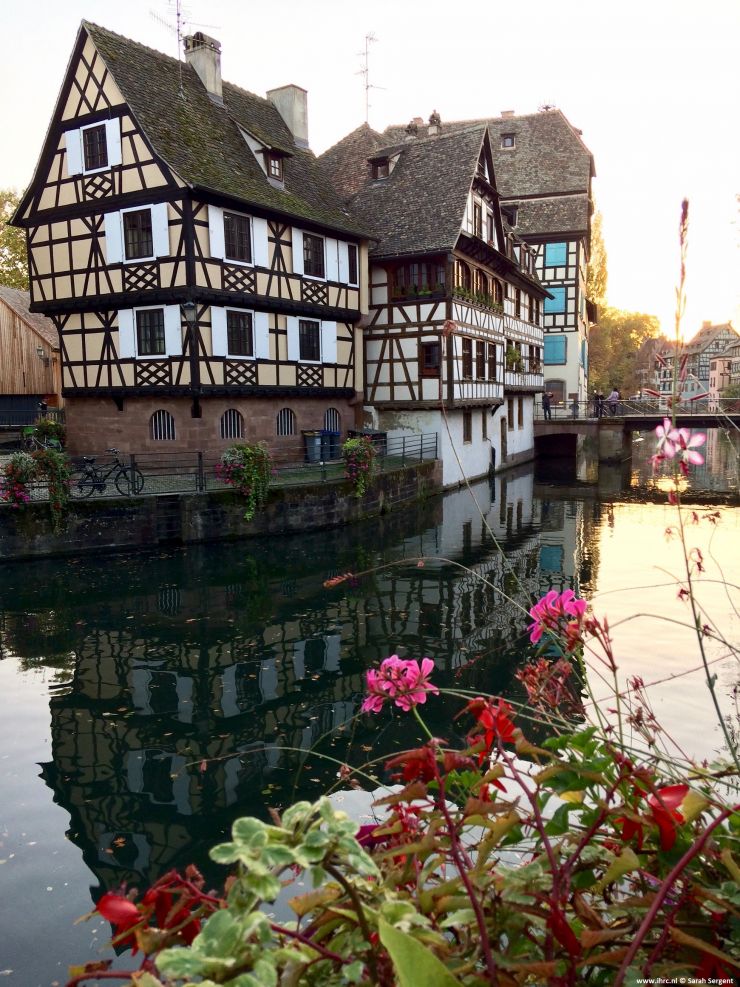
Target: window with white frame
(152, 331)
(313, 256)
(237, 237)
(137, 234)
(239, 337)
(96, 147)
(309, 340)
(286, 422)
(150, 338)
(232, 424)
(162, 426)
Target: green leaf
(353, 972)
(249, 832)
(265, 886)
(296, 814)
(463, 916)
(413, 962)
(180, 962)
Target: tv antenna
(365, 72)
(181, 23)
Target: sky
(652, 84)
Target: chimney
(291, 102)
(204, 54)
(435, 123)
(507, 113)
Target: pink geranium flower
(405, 682)
(561, 613)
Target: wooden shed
(29, 357)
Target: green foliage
(48, 467)
(50, 431)
(248, 469)
(513, 358)
(359, 463)
(614, 349)
(13, 257)
(597, 277)
(552, 881)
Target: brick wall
(95, 424)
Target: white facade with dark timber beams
(543, 178)
(453, 341)
(204, 279)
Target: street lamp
(189, 311)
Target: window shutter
(332, 259)
(219, 337)
(293, 344)
(297, 251)
(73, 142)
(261, 325)
(343, 263)
(113, 141)
(172, 330)
(126, 334)
(328, 342)
(160, 230)
(216, 231)
(259, 245)
(113, 237)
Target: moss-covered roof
(201, 141)
(419, 208)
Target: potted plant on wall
(513, 359)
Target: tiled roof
(19, 301)
(201, 142)
(549, 158)
(420, 206)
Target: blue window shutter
(557, 303)
(555, 349)
(556, 254)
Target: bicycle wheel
(124, 484)
(81, 483)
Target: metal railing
(195, 472)
(11, 418)
(649, 408)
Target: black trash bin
(312, 446)
(329, 445)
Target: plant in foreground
(494, 860)
(359, 463)
(248, 468)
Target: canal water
(147, 701)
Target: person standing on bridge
(547, 405)
(613, 400)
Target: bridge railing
(634, 408)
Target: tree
(596, 277)
(614, 349)
(13, 258)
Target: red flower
(664, 805)
(416, 765)
(493, 721)
(122, 914)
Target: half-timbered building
(29, 369)
(454, 339)
(543, 176)
(200, 270)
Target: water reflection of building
(196, 697)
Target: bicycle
(31, 443)
(89, 477)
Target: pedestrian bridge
(568, 426)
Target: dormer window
(380, 168)
(275, 166)
(510, 214)
(508, 141)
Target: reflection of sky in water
(160, 697)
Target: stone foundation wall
(145, 522)
(95, 424)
